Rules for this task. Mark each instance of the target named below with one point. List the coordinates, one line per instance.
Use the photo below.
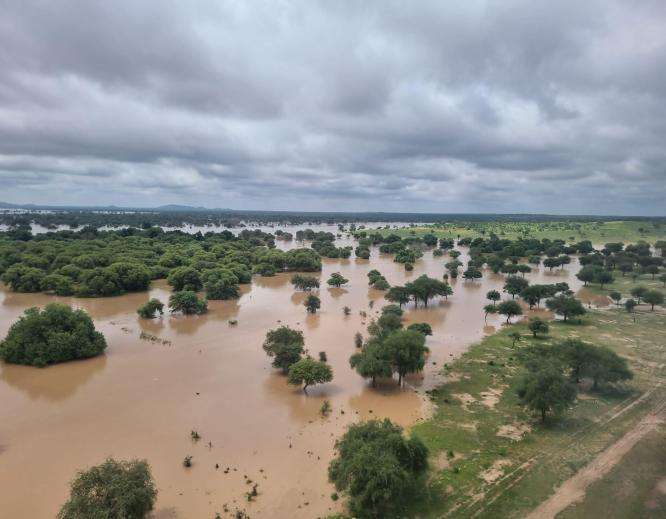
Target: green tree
(493, 295)
(514, 285)
(616, 296)
(423, 328)
(538, 326)
(372, 361)
(546, 390)
(112, 490)
(55, 334)
(653, 297)
(187, 303)
(221, 284)
(638, 292)
(489, 309)
(312, 303)
(510, 309)
(148, 309)
(306, 283)
(406, 349)
(185, 278)
(379, 469)
(566, 306)
(587, 274)
(398, 294)
(307, 372)
(425, 288)
(285, 346)
(337, 280)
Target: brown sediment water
(143, 398)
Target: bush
(308, 372)
(147, 310)
(112, 490)
(55, 334)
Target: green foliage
(112, 490)
(423, 328)
(285, 346)
(653, 297)
(307, 372)
(55, 334)
(546, 390)
(221, 284)
(378, 468)
(425, 288)
(566, 306)
(510, 309)
(187, 303)
(304, 282)
(337, 280)
(398, 294)
(538, 326)
(148, 310)
(185, 278)
(312, 303)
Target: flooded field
(144, 397)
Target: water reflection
(53, 383)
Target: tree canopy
(52, 335)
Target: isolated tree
(112, 490)
(510, 309)
(493, 295)
(150, 308)
(406, 350)
(546, 390)
(337, 280)
(653, 297)
(187, 303)
(312, 303)
(514, 285)
(630, 304)
(616, 296)
(52, 335)
(398, 294)
(378, 468)
(472, 273)
(285, 346)
(566, 306)
(425, 288)
(524, 269)
(538, 326)
(308, 372)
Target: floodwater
(143, 398)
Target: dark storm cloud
(433, 106)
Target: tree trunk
(305, 389)
(543, 415)
(373, 381)
(400, 379)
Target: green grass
(624, 284)
(629, 489)
(549, 454)
(597, 232)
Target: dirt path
(573, 490)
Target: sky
(425, 106)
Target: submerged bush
(55, 334)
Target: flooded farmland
(161, 379)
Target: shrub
(148, 310)
(187, 302)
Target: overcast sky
(505, 106)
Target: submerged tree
(337, 280)
(187, 303)
(112, 490)
(510, 309)
(150, 308)
(285, 346)
(307, 372)
(379, 468)
(312, 303)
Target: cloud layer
(397, 106)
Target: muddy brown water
(143, 398)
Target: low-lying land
(494, 459)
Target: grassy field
(493, 459)
(597, 232)
(624, 284)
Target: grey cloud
(474, 106)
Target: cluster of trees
(113, 490)
(286, 347)
(390, 348)
(633, 259)
(549, 384)
(52, 335)
(647, 296)
(324, 244)
(379, 468)
(93, 263)
(422, 289)
(305, 283)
